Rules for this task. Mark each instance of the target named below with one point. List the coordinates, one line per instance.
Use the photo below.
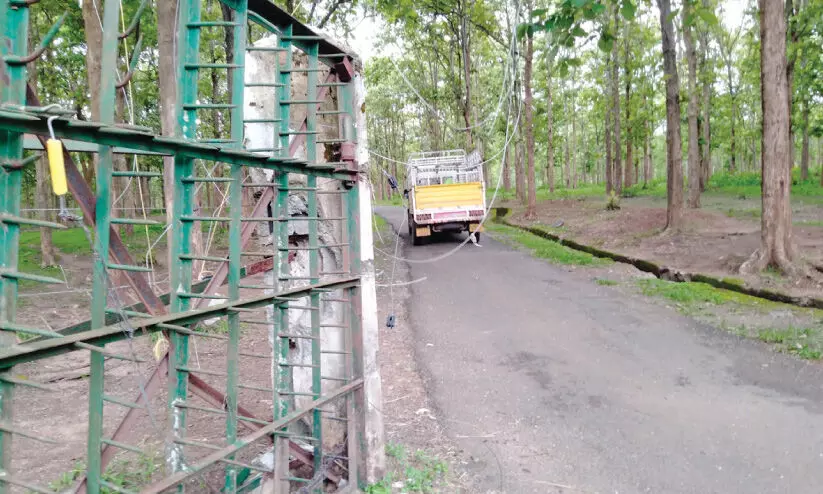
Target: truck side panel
(448, 196)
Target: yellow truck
(445, 192)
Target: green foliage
(417, 473)
(125, 473)
(805, 343)
(605, 282)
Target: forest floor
(715, 241)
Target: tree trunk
(507, 172)
(574, 139)
(466, 50)
(647, 155)
(674, 166)
(617, 170)
(167, 67)
(776, 221)
(693, 151)
(804, 154)
(531, 206)
(520, 172)
(549, 131)
(630, 173)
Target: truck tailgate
(448, 196)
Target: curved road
(555, 384)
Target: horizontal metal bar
(338, 326)
(191, 257)
(218, 141)
(137, 174)
(257, 254)
(331, 84)
(295, 393)
(9, 479)
(19, 328)
(218, 411)
(292, 336)
(203, 218)
(25, 382)
(341, 300)
(302, 366)
(190, 332)
(286, 102)
(127, 267)
(197, 66)
(330, 273)
(20, 432)
(118, 444)
(255, 355)
(258, 184)
(264, 84)
(296, 479)
(201, 295)
(17, 220)
(194, 180)
(263, 150)
(290, 248)
(289, 70)
(335, 352)
(293, 435)
(255, 388)
(330, 378)
(123, 403)
(331, 141)
(242, 310)
(201, 371)
(33, 351)
(97, 134)
(106, 353)
(209, 106)
(301, 38)
(199, 24)
(133, 221)
(330, 112)
(197, 444)
(129, 313)
(16, 275)
(299, 133)
(266, 48)
(256, 321)
(262, 120)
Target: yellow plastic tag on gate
(54, 148)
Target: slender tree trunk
(617, 165)
(466, 50)
(507, 173)
(804, 154)
(167, 67)
(531, 206)
(776, 221)
(674, 166)
(732, 123)
(574, 139)
(549, 130)
(647, 154)
(693, 151)
(630, 173)
(520, 171)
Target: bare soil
(712, 242)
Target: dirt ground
(716, 240)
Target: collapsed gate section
(304, 425)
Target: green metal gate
(192, 464)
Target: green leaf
(539, 12)
(578, 31)
(606, 41)
(628, 9)
(521, 30)
(549, 24)
(707, 16)
(598, 8)
(673, 14)
(579, 3)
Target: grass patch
(378, 223)
(693, 293)
(125, 473)
(605, 282)
(395, 200)
(544, 248)
(417, 472)
(805, 343)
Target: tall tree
(674, 163)
(776, 248)
(549, 122)
(617, 167)
(630, 173)
(531, 206)
(693, 151)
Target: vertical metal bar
(314, 253)
(13, 22)
(356, 399)
(282, 374)
(188, 43)
(236, 211)
(100, 284)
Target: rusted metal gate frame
(82, 192)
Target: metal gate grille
(193, 391)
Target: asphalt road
(555, 384)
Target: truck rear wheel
(416, 239)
